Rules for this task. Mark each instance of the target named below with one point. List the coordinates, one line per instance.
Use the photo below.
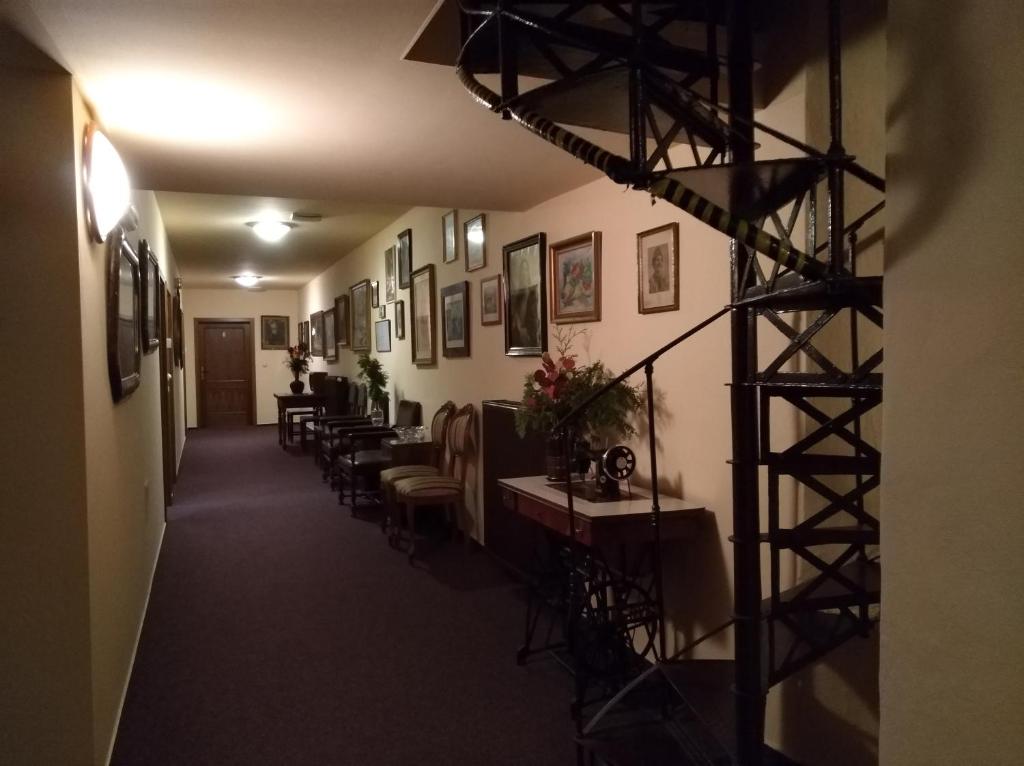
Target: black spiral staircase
(629, 88)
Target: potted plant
(372, 371)
(298, 363)
(553, 391)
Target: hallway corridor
(281, 630)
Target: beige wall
(272, 376)
(952, 685)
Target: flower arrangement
(298, 359)
(551, 392)
(372, 371)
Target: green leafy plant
(372, 372)
(551, 393)
(298, 359)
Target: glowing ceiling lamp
(248, 280)
(107, 189)
(270, 230)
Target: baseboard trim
(135, 649)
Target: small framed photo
(382, 333)
(490, 300)
(476, 253)
(359, 294)
(576, 279)
(455, 314)
(341, 322)
(390, 277)
(400, 320)
(424, 323)
(178, 331)
(150, 298)
(449, 249)
(330, 340)
(274, 334)
(374, 294)
(526, 321)
(316, 333)
(304, 334)
(657, 262)
(382, 312)
(404, 257)
(124, 317)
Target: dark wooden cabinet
(507, 535)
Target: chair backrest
(439, 431)
(337, 396)
(461, 437)
(409, 413)
(361, 400)
(318, 382)
(353, 399)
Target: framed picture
(330, 339)
(490, 300)
(576, 279)
(449, 250)
(400, 320)
(390, 283)
(150, 297)
(404, 257)
(359, 294)
(455, 316)
(304, 333)
(476, 254)
(316, 333)
(526, 325)
(124, 316)
(341, 322)
(374, 294)
(178, 331)
(424, 323)
(382, 333)
(274, 333)
(382, 312)
(657, 264)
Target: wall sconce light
(270, 230)
(107, 189)
(247, 280)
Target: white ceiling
(307, 100)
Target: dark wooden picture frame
(150, 270)
(178, 321)
(374, 294)
(490, 300)
(423, 316)
(390, 276)
(124, 316)
(400, 320)
(382, 335)
(342, 328)
(404, 257)
(359, 295)
(316, 333)
(455, 320)
(275, 332)
(304, 334)
(450, 237)
(330, 339)
(476, 251)
(525, 296)
(575, 279)
(652, 260)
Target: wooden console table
(290, 401)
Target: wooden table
(291, 401)
(409, 452)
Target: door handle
(202, 372)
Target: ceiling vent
(299, 217)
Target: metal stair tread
(846, 534)
(818, 384)
(793, 293)
(831, 593)
(822, 465)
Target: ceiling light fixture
(247, 280)
(271, 230)
(107, 189)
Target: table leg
(280, 426)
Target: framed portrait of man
(455, 317)
(274, 335)
(657, 257)
(359, 298)
(526, 320)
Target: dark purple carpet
(281, 630)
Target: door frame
(197, 324)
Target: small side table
(290, 401)
(408, 452)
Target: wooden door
(225, 372)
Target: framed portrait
(476, 253)
(400, 320)
(404, 258)
(657, 263)
(382, 334)
(330, 339)
(304, 334)
(274, 333)
(490, 300)
(374, 294)
(424, 323)
(526, 320)
(150, 297)
(576, 279)
(178, 333)
(455, 320)
(390, 283)
(341, 322)
(449, 249)
(382, 311)
(124, 316)
(316, 333)
(359, 298)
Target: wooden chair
(446, 489)
(363, 460)
(336, 404)
(388, 477)
(336, 445)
